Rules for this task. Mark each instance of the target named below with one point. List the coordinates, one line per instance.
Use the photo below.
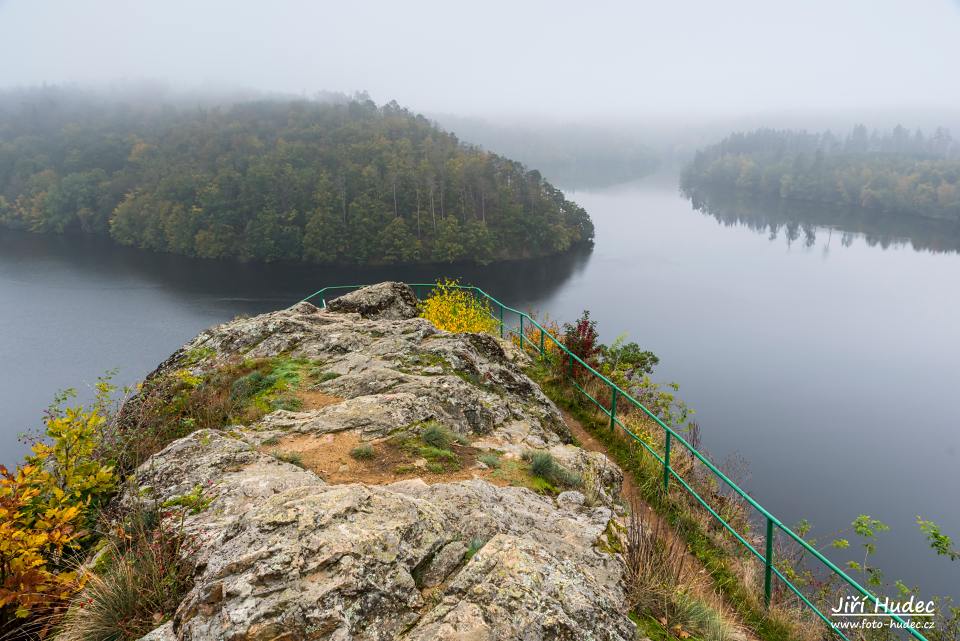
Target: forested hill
(896, 172)
(343, 181)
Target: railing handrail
(772, 520)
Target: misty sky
(565, 59)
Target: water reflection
(253, 287)
(801, 223)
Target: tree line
(335, 181)
(892, 172)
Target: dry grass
(664, 581)
(141, 575)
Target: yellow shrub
(457, 310)
(46, 509)
(532, 334)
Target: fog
(559, 60)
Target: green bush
(440, 437)
(543, 465)
(491, 460)
(437, 454)
(290, 457)
(363, 451)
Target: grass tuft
(544, 466)
(440, 437)
(141, 575)
(293, 458)
(491, 460)
(363, 452)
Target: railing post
(542, 353)
(768, 564)
(666, 464)
(521, 332)
(501, 320)
(613, 406)
(571, 366)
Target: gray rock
(514, 588)
(385, 301)
(443, 564)
(281, 554)
(162, 633)
(278, 551)
(571, 500)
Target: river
(826, 357)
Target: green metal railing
(619, 396)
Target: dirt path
(632, 497)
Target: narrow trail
(632, 497)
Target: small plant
(939, 542)
(363, 452)
(289, 403)
(491, 460)
(194, 501)
(544, 466)
(453, 309)
(550, 337)
(406, 468)
(474, 546)
(592, 486)
(440, 437)
(293, 458)
(198, 354)
(437, 454)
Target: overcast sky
(563, 59)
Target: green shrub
(249, 386)
(543, 465)
(363, 451)
(491, 460)
(437, 454)
(290, 457)
(289, 403)
(440, 437)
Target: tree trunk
(418, 213)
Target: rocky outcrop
(283, 554)
(386, 301)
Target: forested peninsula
(322, 181)
(897, 172)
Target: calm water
(827, 358)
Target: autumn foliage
(46, 511)
(457, 310)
